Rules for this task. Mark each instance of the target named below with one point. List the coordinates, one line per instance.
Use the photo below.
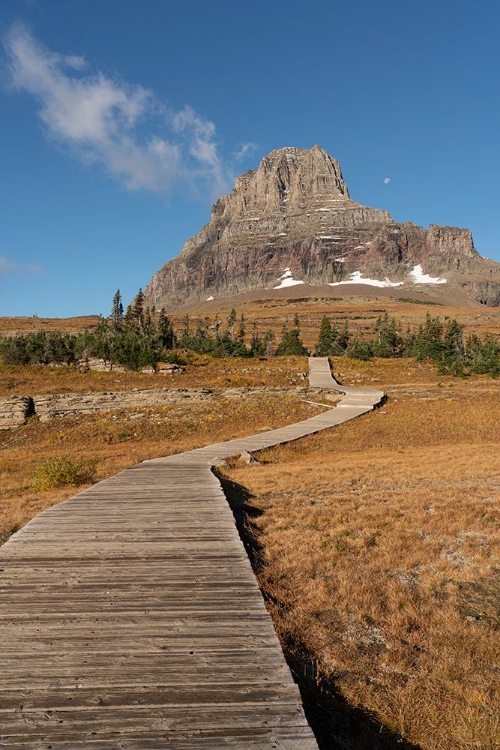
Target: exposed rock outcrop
(52, 406)
(14, 411)
(295, 213)
(102, 365)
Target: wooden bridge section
(130, 618)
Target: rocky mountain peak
(287, 180)
(292, 221)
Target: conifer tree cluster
(291, 343)
(443, 345)
(141, 337)
(224, 340)
(228, 339)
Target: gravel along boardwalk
(130, 618)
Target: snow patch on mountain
(356, 278)
(419, 277)
(286, 279)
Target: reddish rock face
(295, 213)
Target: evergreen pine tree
(343, 338)
(359, 348)
(129, 318)
(257, 346)
(388, 342)
(148, 321)
(231, 321)
(268, 343)
(241, 329)
(486, 358)
(165, 331)
(217, 325)
(117, 310)
(138, 309)
(291, 343)
(453, 351)
(429, 340)
(324, 343)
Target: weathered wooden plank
(159, 694)
(237, 738)
(151, 720)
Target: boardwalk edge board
(130, 616)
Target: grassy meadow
(377, 546)
(376, 543)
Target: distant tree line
(433, 341)
(138, 338)
(142, 337)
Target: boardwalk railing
(130, 617)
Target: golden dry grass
(198, 371)
(381, 558)
(10, 326)
(121, 439)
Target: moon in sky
(387, 180)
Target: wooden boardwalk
(130, 618)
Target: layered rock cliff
(293, 220)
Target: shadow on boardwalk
(336, 724)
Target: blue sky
(121, 122)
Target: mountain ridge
(294, 215)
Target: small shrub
(236, 382)
(64, 471)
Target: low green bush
(64, 471)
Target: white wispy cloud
(6, 266)
(34, 269)
(199, 136)
(103, 121)
(244, 150)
